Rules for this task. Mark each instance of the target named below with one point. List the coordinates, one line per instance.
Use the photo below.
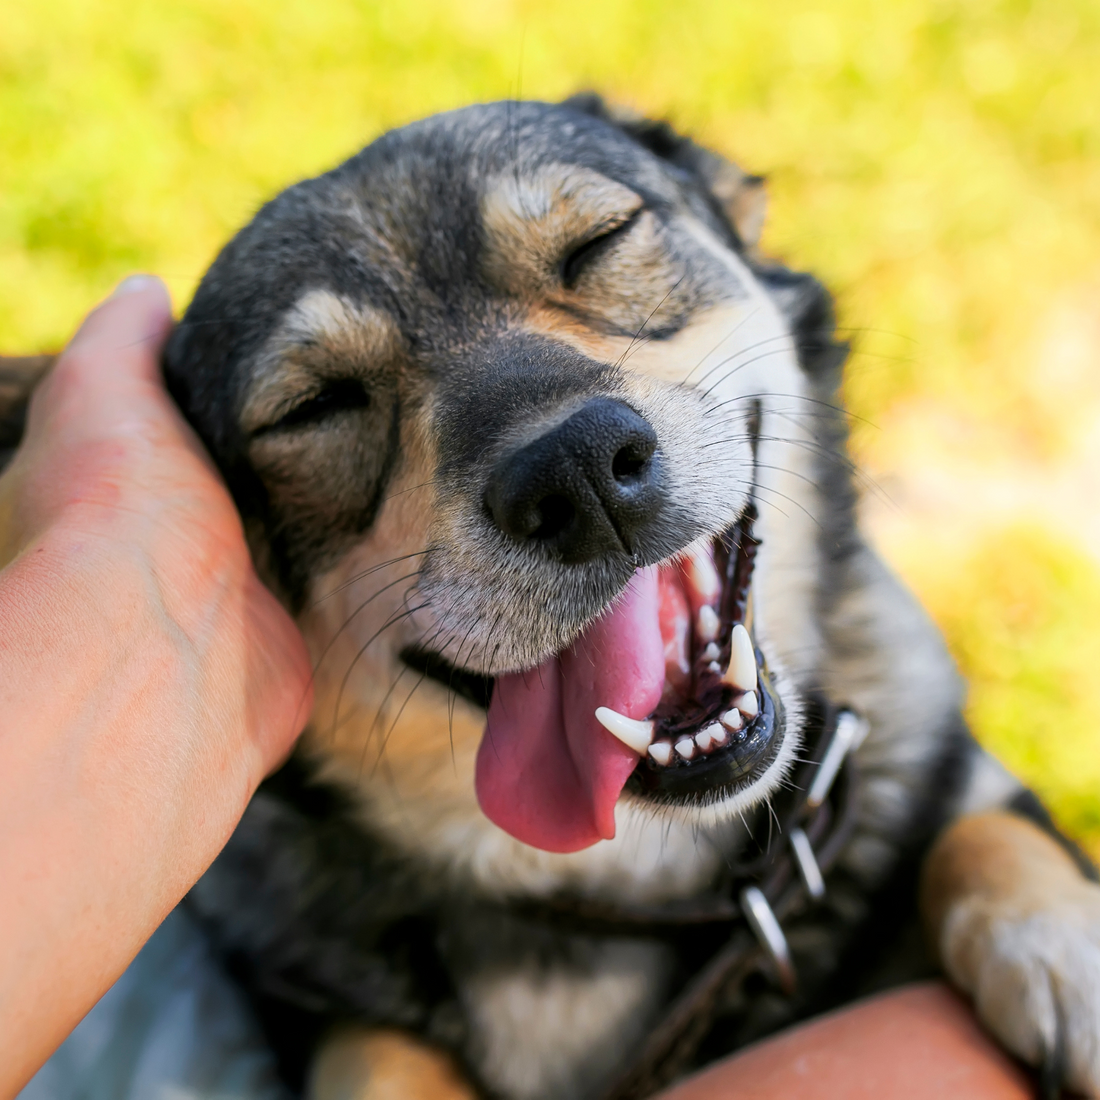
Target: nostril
(631, 461)
(557, 512)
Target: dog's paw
(1035, 980)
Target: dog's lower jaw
(716, 808)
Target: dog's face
(520, 431)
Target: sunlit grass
(938, 163)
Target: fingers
(108, 377)
(128, 328)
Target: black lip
(724, 770)
(472, 686)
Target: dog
(627, 748)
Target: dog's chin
(699, 724)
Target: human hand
(148, 680)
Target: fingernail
(133, 283)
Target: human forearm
(147, 683)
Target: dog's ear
(740, 198)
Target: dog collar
(795, 846)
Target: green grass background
(936, 161)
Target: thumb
(111, 367)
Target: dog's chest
(551, 1015)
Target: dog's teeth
(685, 747)
(709, 736)
(715, 667)
(634, 733)
(747, 704)
(718, 734)
(661, 751)
(711, 653)
(704, 577)
(742, 671)
(707, 623)
(732, 720)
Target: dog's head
(525, 433)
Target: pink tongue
(547, 771)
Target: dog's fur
(356, 359)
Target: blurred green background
(937, 162)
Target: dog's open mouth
(714, 725)
(665, 695)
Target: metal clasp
(765, 925)
(806, 862)
(849, 735)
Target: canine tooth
(704, 577)
(748, 704)
(702, 739)
(742, 671)
(685, 747)
(661, 751)
(732, 720)
(636, 734)
(707, 623)
(711, 653)
(715, 667)
(719, 734)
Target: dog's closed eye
(574, 263)
(337, 396)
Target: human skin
(148, 680)
(919, 1042)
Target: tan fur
(321, 330)
(531, 220)
(1001, 860)
(362, 1064)
(746, 203)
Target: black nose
(586, 488)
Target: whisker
(347, 622)
(367, 572)
(396, 719)
(741, 366)
(744, 320)
(742, 351)
(393, 620)
(652, 314)
(840, 409)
